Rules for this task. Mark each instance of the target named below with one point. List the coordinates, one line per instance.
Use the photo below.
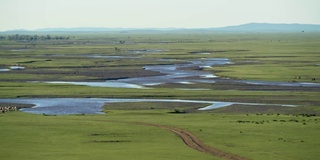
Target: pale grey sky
(35, 14)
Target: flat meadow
(252, 132)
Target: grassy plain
(257, 56)
(105, 137)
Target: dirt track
(193, 142)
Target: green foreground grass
(29, 136)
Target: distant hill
(269, 27)
(250, 27)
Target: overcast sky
(35, 14)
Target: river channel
(181, 74)
(188, 73)
(62, 106)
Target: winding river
(181, 74)
(172, 73)
(61, 106)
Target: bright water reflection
(181, 74)
(173, 73)
(59, 106)
(112, 84)
(4, 70)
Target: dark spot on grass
(49, 114)
(178, 111)
(109, 141)
(97, 134)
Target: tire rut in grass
(193, 142)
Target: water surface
(4, 70)
(171, 73)
(61, 106)
(181, 74)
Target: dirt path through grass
(193, 142)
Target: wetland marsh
(201, 83)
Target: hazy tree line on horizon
(17, 37)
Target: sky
(36, 14)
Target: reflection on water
(12, 68)
(173, 73)
(180, 74)
(57, 106)
(112, 84)
(4, 70)
(17, 67)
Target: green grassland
(108, 137)
(276, 134)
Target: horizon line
(153, 28)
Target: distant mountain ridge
(270, 27)
(250, 27)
